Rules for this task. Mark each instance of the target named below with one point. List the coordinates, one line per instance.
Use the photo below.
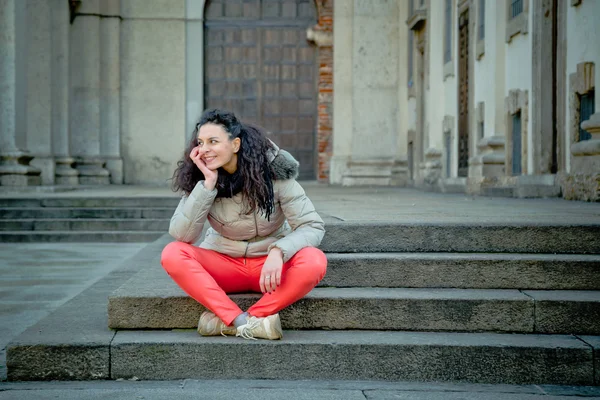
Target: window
(516, 8)
(411, 39)
(481, 30)
(517, 12)
(516, 144)
(448, 32)
(448, 145)
(411, 7)
(586, 109)
(481, 129)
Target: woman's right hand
(210, 176)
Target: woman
(263, 229)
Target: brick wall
(325, 87)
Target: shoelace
(245, 330)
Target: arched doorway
(259, 64)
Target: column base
(487, 170)
(65, 174)
(400, 173)
(91, 171)
(115, 166)
(368, 172)
(581, 187)
(430, 171)
(46, 165)
(583, 181)
(16, 171)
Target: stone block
(143, 9)
(569, 312)
(594, 341)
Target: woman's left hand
(270, 276)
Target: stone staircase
(80, 219)
(514, 303)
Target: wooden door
(463, 95)
(259, 65)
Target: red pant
(207, 276)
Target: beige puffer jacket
(293, 225)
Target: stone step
(84, 224)
(68, 213)
(144, 303)
(80, 236)
(358, 355)
(373, 237)
(358, 237)
(463, 270)
(92, 202)
(75, 343)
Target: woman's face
(215, 148)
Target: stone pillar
(374, 93)
(85, 95)
(37, 92)
(64, 172)
(194, 61)
(14, 163)
(583, 181)
(110, 80)
(343, 19)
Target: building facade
(478, 96)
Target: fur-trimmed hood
(284, 165)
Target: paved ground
(396, 204)
(35, 279)
(297, 390)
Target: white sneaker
(211, 325)
(261, 328)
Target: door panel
(259, 65)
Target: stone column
(487, 169)
(85, 95)
(110, 80)
(64, 173)
(374, 93)
(343, 18)
(38, 98)
(194, 64)
(14, 163)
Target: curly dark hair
(253, 177)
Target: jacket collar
(284, 165)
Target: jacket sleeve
(190, 215)
(308, 228)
